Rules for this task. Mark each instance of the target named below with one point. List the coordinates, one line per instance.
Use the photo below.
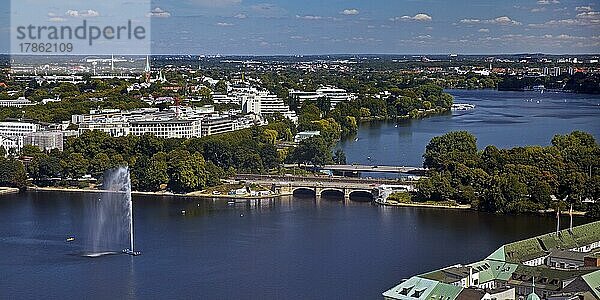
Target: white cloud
(349, 12)
(418, 17)
(504, 20)
(224, 24)
(583, 8)
(240, 16)
(546, 2)
(587, 18)
(309, 17)
(158, 13)
(538, 9)
(90, 13)
(470, 21)
(592, 15)
(483, 30)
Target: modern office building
(216, 124)
(263, 103)
(114, 127)
(19, 102)
(17, 129)
(171, 128)
(334, 95)
(177, 122)
(45, 140)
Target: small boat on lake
(462, 106)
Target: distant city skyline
(283, 27)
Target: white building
(216, 124)
(45, 140)
(114, 127)
(301, 136)
(225, 99)
(17, 129)
(10, 144)
(175, 122)
(19, 102)
(334, 95)
(173, 128)
(263, 103)
(12, 133)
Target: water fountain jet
(111, 216)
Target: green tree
(31, 151)
(12, 173)
(457, 146)
(314, 151)
(75, 166)
(99, 164)
(186, 171)
(269, 156)
(149, 144)
(269, 136)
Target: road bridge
(347, 188)
(367, 168)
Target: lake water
(293, 248)
(504, 119)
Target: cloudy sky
(267, 27)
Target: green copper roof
(533, 296)
(444, 291)
(498, 254)
(413, 288)
(484, 269)
(593, 280)
(502, 270)
(524, 250)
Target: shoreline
(201, 195)
(425, 205)
(197, 194)
(8, 190)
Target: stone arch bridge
(320, 186)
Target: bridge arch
(304, 192)
(333, 194)
(362, 195)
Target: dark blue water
(290, 248)
(504, 119)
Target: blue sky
(263, 27)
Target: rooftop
(542, 245)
